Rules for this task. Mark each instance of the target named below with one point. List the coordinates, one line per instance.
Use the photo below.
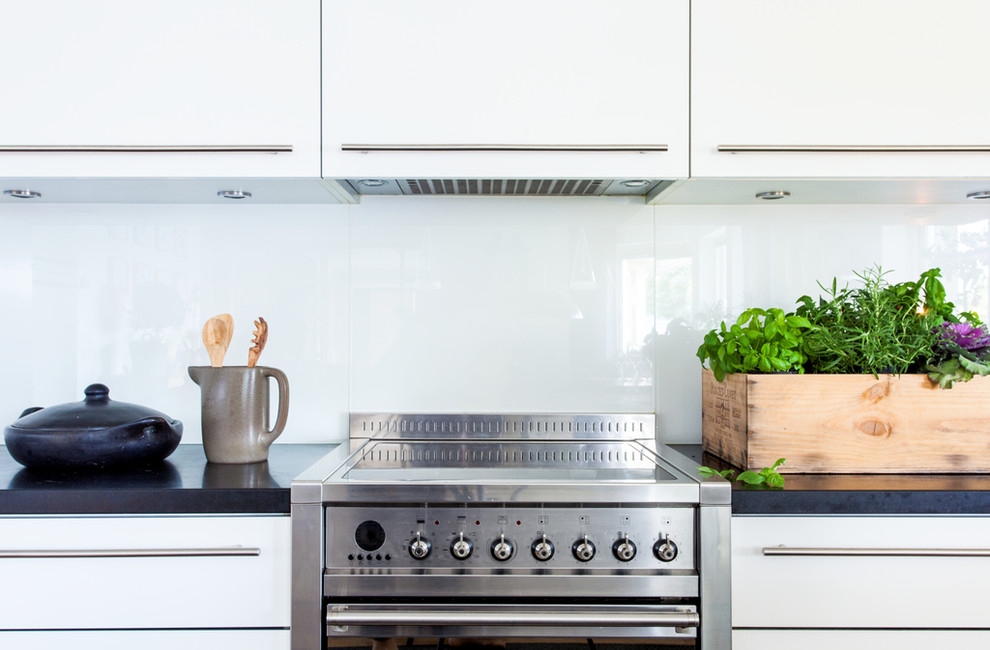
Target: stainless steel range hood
(503, 170)
(507, 186)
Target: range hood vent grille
(498, 186)
(505, 186)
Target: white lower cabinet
(859, 639)
(146, 640)
(860, 582)
(120, 581)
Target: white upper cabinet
(560, 79)
(835, 75)
(233, 84)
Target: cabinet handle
(853, 148)
(876, 552)
(233, 551)
(142, 148)
(371, 148)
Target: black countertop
(186, 483)
(183, 483)
(857, 494)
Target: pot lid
(94, 413)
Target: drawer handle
(853, 148)
(228, 551)
(876, 552)
(141, 148)
(371, 148)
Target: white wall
(418, 304)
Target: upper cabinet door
(233, 85)
(555, 78)
(880, 88)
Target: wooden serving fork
(259, 340)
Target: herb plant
(877, 327)
(765, 340)
(766, 477)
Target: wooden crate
(847, 423)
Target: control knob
(583, 549)
(542, 549)
(419, 548)
(461, 548)
(623, 549)
(664, 549)
(502, 549)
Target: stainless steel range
(566, 526)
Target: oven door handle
(340, 616)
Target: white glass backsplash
(434, 303)
(514, 305)
(118, 294)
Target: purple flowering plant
(963, 352)
(966, 335)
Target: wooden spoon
(216, 337)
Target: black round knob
(664, 549)
(542, 549)
(419, 548)
(97, 393)
(583, 549)
(461, 547)
(623, 549)
(503, 549)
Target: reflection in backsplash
(715, 262)
(119, 294)
(434, 303)
(505, 305)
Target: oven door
(517, 619)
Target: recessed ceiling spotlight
(22, 194)
(979, 196)
(773, 196)
(234, 194)
(639, 182)
(372, 182)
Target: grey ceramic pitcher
(235, 411)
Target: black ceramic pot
(96, 433)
